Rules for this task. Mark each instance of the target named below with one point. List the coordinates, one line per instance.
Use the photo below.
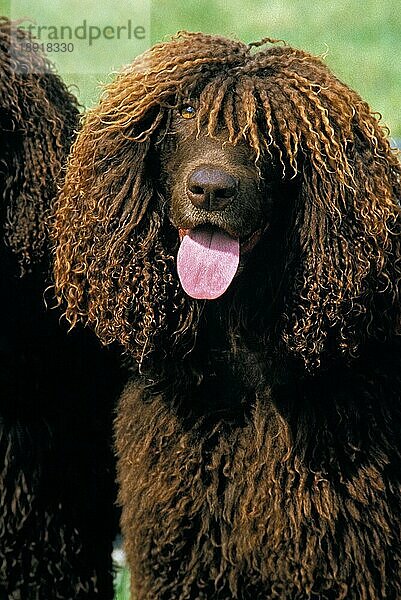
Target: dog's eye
(188, 112)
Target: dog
(231, 217)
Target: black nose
(210, 188)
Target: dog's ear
(348, 233)
(113, 268)
(38, 116)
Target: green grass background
(361, 41)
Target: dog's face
(314, 222)
(220, 201)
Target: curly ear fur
(115, 265)
(111, 254)
(348, 228)
(38, 117)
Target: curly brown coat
(258, 442)
(56, 480)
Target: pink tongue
(207, 262)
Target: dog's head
(37, 119)
(210, 167)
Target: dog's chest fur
(252, 498)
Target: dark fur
(258, 442)
(56, 473)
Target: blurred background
(361, 42)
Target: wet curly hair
(115, 268)
(37, 121)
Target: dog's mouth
(209, 258)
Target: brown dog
(231, 217)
